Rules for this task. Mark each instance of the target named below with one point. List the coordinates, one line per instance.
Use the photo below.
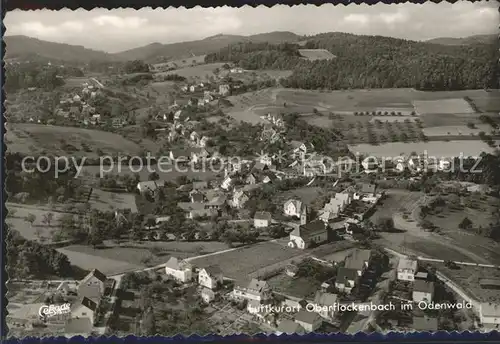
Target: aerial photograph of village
(277, 170)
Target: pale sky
(122, 29)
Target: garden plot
(444, 106)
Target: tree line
(371, 62)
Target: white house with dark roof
(293, 207)
(210, 277)
(93, 285)
(179, 270)
(255, 290)
(84, 308)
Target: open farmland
(316, 54)
(437, 148)
(180, 63)
(108, 260)
(468, 277)
(33, 139)
(40, 230)
(109, 201)
(199, 72)
(242, 262)
(451, 106)
(457, 130)
(166, 173)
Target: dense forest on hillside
(371, 62)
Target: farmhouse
(309, 321)
(84, 308)
(194, 210)
(293, 207)
(255, 290)
(250, 179)
(325, 304)
(239, 199)
(150, 186)
(489, 314)
(210, 277)
(423, 291)
(358, 260)
(262, 219)
(197, 197)
(407, 268)
(93, 285)
(312, 233)
(179, 270)
(346, 279)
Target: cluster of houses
(423, 290)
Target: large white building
(407, 268)
(179, 270)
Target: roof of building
(208, 291)
(325, 299)
(175, 264)
(406, 263)
(368, 188)
(259, 166)
(296, 144)
(213, 270)
(95, 273)
(93, 292)
(312, 228)
(198, 197)
(421, 274)
(307, 317)
(189, 206)
(257, 285)
(263, 215)
(78, 326)
(84, 301)
(423, 286)
(344, 274)
(425, 323)
(151, 184)
(489, 309)
(200, 185)
(290, 327)
(489, 282)
(218, 200)
(357, 258)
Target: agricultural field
(457, 130)
(33, 139)
(109, 260)
(40, 230)
(240, 263)
(316, 54)
(392, 119)
(445, 106)
(201, 72)
(437, 149)
(180, 63)
(166, 173)
(468, 277)
(110, 201)
(307, 195)
(300, 287)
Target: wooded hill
(371, 62)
